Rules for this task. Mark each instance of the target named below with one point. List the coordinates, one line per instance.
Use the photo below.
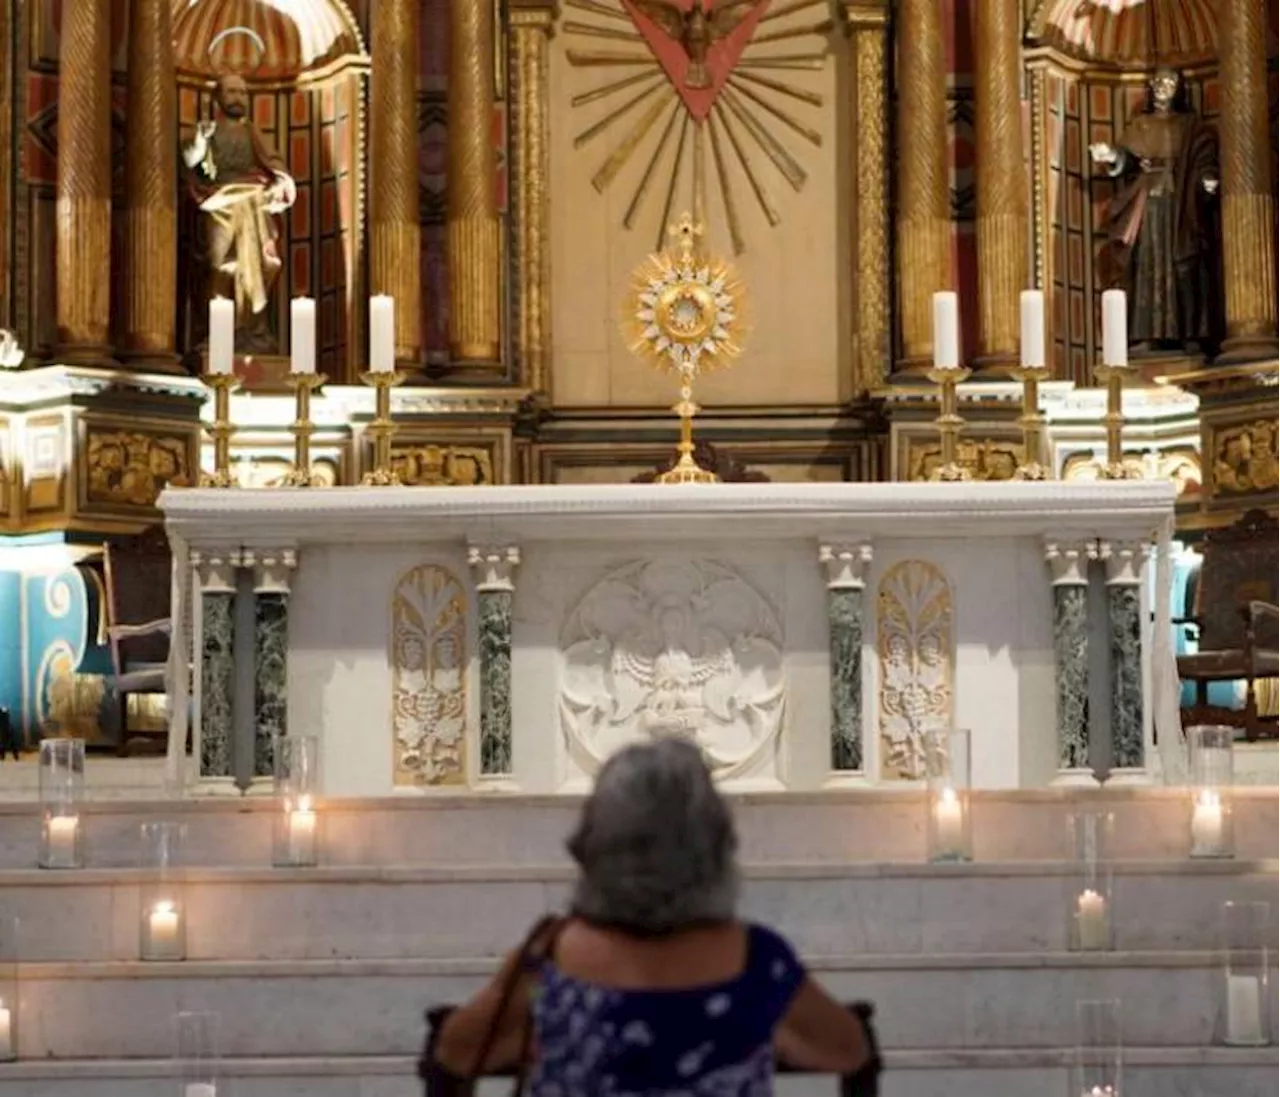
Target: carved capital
(846, 564)
(1068, 561)
(1125, 561)
(216, 569)
(272, 568)
(539, 14)
(860, 14)
(494, 566)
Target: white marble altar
(767, 620)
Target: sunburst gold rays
(747, 118)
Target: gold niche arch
(306, 64)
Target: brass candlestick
(303, 384)
(1114, 378)
(221, 431)
(383, 427)
(686, 470)
(1031, 422)
(949, 424)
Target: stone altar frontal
(806, 635)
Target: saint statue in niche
(1162, 224)
(240, 185)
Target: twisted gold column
(151, 188)
(475, 243)
(531, 28)
(395, 236)
(1001, 182)
(1248, 217)
(923, 219)
(867, 21)
(84, 182)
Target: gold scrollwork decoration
(916, 651)
(132, 468)
(443, 466)
(428, 677)
(985, 459)
(1181, 465)
(1245, 458)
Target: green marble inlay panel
(1071, 671)
(844, 619)
(1124, 614)
(270, 685)
(217, 683)
(495, 681)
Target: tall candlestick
(382, 334)
(1207, 825)
(6, 1033)
(222, 335)
(1091, 920)
(946, 330)
(302, 322)
(1032, 327)
(1244, 1010)
(1115, 329)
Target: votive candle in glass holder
(1089, 894)
(947, 778)
(61, 800)
(162, 929)
(1212, 833)
(1245, 936)
(199, 1068)
(8, 990)
(1098, 1060)
(296, 841)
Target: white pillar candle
(302, 832)
(200, 1089)
(6, 1032)
(1032, 327)
(1091, 920)
(1244, 1010)
(948, 821)
(63, 832)
(946, 330)
(222, 335)
(1206, 825)
(1115, 329)
(164, 941)
(302, 324)
(382, 333)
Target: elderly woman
(652, 985)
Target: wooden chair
(138, 574)
(1236, 616)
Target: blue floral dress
(709, 1041)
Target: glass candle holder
(1244, 1013)
(947, 777)
(162, 928)
(1212, 833)
(296, 841)
(1098, 1049)
(1089, 895)
(61, 800)
(8, 990)
(199, 1068)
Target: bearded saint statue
(240, 185)
(1162, 222)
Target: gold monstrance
(684, 313)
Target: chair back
(138, 573)
(1240, 564)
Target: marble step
(861, 825)
(1149, 1072)
(375, 1007)
(267, 914)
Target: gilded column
(151, 188)
(475, 243)
(1001, 183)
(6, 161)
(924, 210)
(867, 21)
(531, 28)
(394, 232)
(1248, 217)
(84, 182)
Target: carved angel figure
(696, 29)
(672, 649)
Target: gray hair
(655, 843)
